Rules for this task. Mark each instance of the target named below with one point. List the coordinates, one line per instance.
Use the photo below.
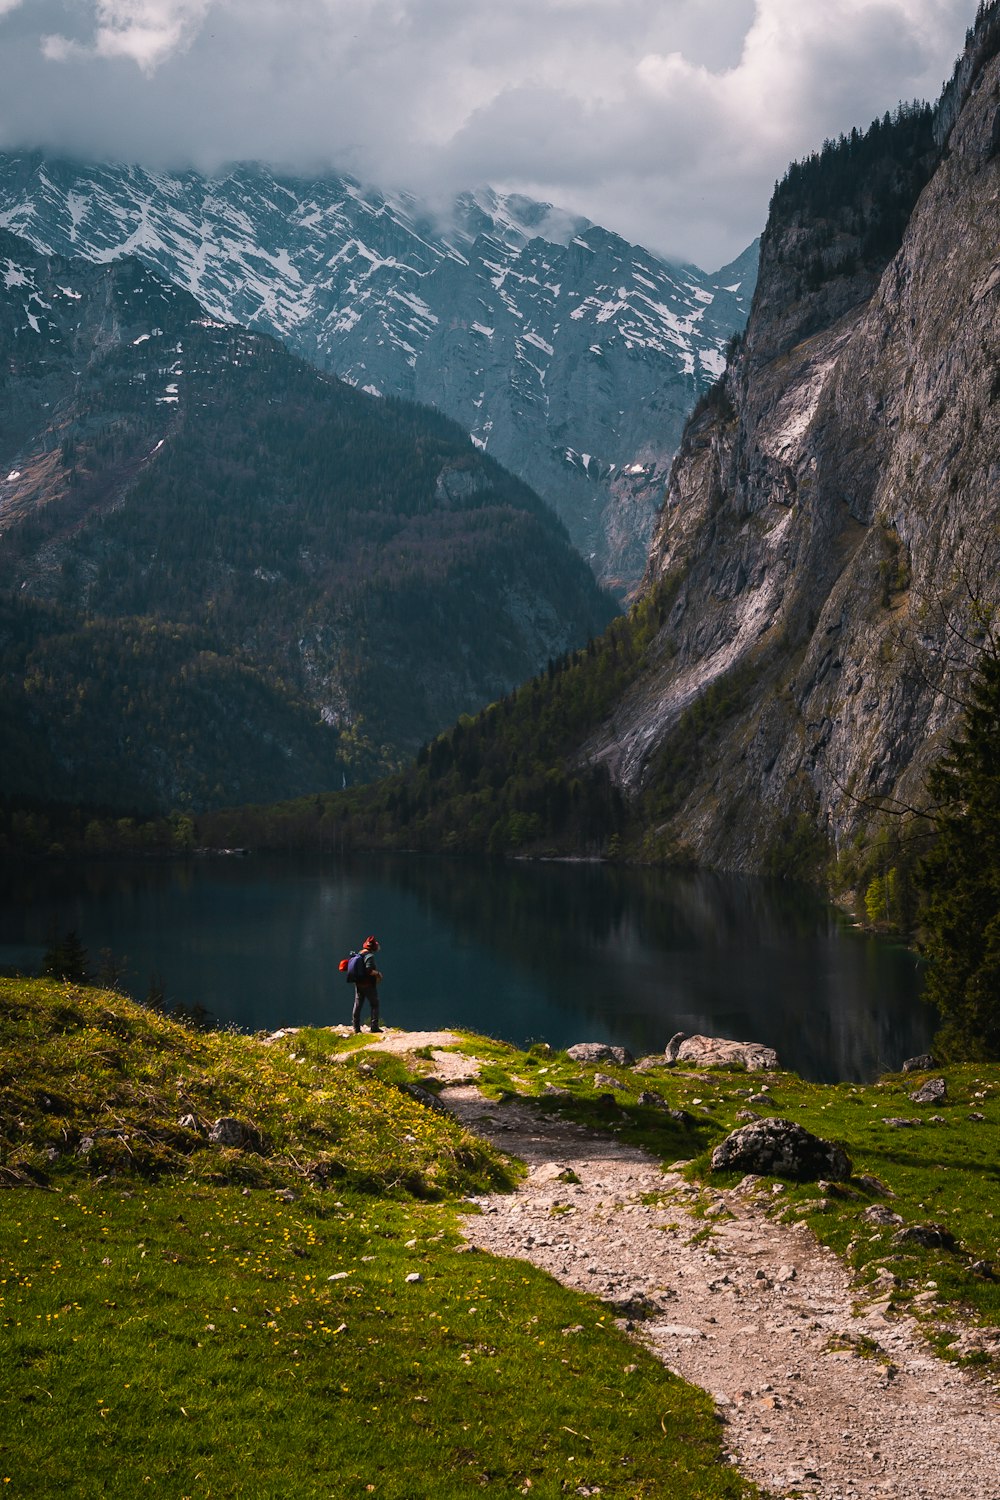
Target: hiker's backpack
(353, 967)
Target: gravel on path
(818, 1398)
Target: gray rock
(877, 1213)
(233, 1133)
(931, 1092)
(898, 1122)
(424, 1096)
(718, 1052)
(635, 1305)
(277, 1036)
(594, 1052)
(781, 1148)
(931, 1236)
(671, 1049)
(920, 1064)
(875, 1186)
(605, 1081)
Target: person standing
(366, 983)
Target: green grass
(190, 1339)
(183, 1320)
(88, 1073)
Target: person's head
(370, 945)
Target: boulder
(670, 1050)
(931, 1236)
(594, 1052)
(233, 1133)
(718, 1052)
(932, 1092)
(921, 1064)
(781, 1148)
(877, 1213)
(875, 1186)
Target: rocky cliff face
(572, 357)
(833, 511)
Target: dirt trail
(815, 1400)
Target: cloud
(145, 32)
(668, 122)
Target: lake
(560, 953)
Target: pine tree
(960, 878)
(66, 958)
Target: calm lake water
(552, 952)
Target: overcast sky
(666, 120)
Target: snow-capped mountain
(570, 355)
(227, 576)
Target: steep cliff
(832, 515)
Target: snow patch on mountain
(465, 310)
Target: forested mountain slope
(572, 356)
(827, 558)
(226, 576)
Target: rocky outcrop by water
(718, 1052)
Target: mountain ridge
(314, 578)
(573, 359)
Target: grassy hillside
(294, 1316)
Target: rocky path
(815, 1400)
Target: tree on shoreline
(960, 876)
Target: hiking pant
(363, 992)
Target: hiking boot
(374, 1028)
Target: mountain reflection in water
(554, 952)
